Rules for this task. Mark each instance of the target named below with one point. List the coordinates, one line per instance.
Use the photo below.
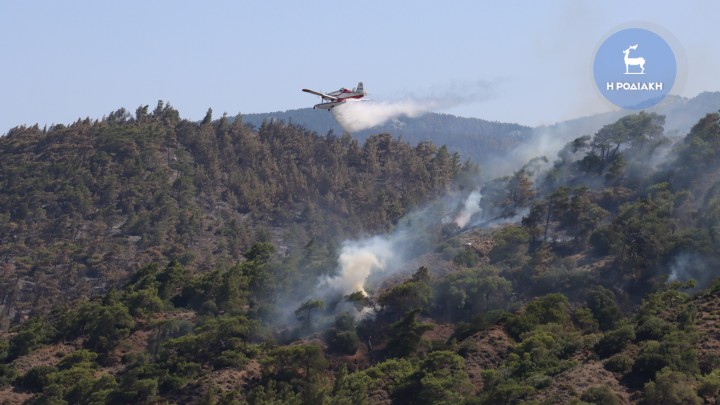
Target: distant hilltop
(681, 114)
(473, 138)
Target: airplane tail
(359, 88)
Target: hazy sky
(528, 62)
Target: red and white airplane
(335, 98)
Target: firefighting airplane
(336, 98)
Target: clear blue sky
(62, 60)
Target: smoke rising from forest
(362, 262)
(544, 143)
(694, 266)
(358, 260)
(470, 208)
(367, 262)
(382, 255)
(379, 257)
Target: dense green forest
(84, 205)
(588, 279)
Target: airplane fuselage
(345, 94)
(338, 97)
(341, 95)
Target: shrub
(601, 302)
(7, 374)
(652, 328)
(614, 341)
(619, 363)
(671, 387)
(539, 381)
(36, 378)
(601, 395)
(709, 386)
(342, 342)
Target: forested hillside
(82, 206)
(588, 276)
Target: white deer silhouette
(633, 61)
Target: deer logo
(633, 62)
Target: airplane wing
(323, 95)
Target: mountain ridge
(473, 138)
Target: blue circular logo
(635, 68)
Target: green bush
(709, 362)
(551, 308)
(8, 373)
(670, 388)
(601, 302)
(600, 240)
(342, 341)
(466, 258)
(32, 334)
(79, 358)
(510, 245)
(619, 363)
(539, 381)
(677, 350)
(230, 358)
(652, 328)
(601, 395)
(36, 378)
(709, 386)
(508, 392)
(614, 341)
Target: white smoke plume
(356, 262)
(470, 208)
(694, 266)
(544, 143)
(378, 257)
(357, 115)
(361, 259)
